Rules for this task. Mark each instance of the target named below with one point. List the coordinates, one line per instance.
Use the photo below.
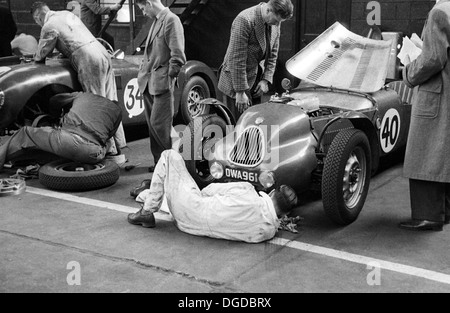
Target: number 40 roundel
(390, 130)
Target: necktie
(268, 46)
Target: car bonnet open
(341, 59)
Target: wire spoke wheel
(195, 90)
(205, 132)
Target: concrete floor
(51, 241)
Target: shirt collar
(260, 13)
(48, 15)
(161, 13)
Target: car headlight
(2, 98)
(216, 170)
(267, 179)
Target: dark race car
(325, 138)
(26, 88)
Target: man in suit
(163, 58)
(91, 14)
(8, 31)
(427, 164)
(255, 39)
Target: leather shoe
(447, 220)
(422, 225)
(137, 190)
(143, 218)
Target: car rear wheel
(205, 131)
(65, 175)
(194, 91)
(346, 176)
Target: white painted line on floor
(336, 254)
(355, 258)
(92, 202)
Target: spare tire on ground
(66, 175)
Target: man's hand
(242, 101)
(262, 88)
(173, 81)
(116, 7)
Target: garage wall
(407, 16)
(207, 37)
(21, 12)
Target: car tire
(213, 128)
(346, 176)
(65, 175)
(194, 91)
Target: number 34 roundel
(133, 99)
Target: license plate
(243, 175)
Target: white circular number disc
(390, 130)
(132, 99)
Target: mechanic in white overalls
(66, 32)
(232, 211)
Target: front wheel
(346, 176)
(194, 92)
(205, 131)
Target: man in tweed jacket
(251, 32)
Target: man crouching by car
(86, 124)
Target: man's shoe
(447, 220)
(143, 218)
(144, 186)
(422, 225)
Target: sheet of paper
(409, 51)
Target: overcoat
(245, 52)
(428, 149)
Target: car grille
(249, 148)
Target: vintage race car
(315, 137)
(26, 88)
